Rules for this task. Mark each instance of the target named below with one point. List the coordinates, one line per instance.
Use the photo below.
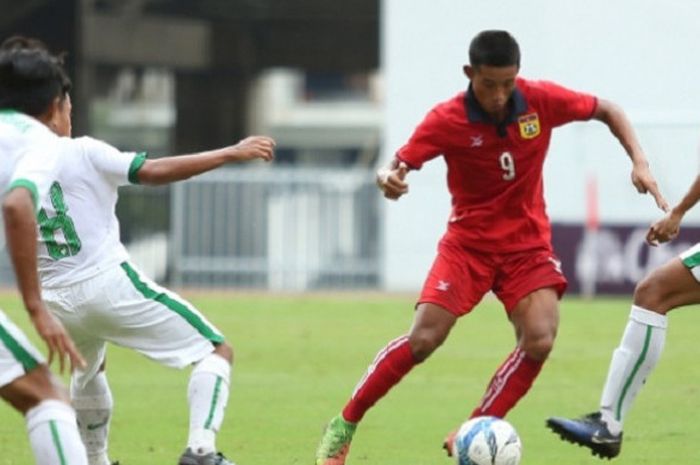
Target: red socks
(510, 383)
(387, 369)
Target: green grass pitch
(298, 358)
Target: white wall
(638, 53)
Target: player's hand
(644, 182)
(57, 339)
(392, 181)
(665, 229)
(253, 147)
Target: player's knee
(423, 344)
(33, 388)
(225, 351)
(538, 348)
(652, 294)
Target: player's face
(62, 124)
(492, 87)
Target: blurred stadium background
(340, 85)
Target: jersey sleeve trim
(30, 186)
(135, 166)
(595, 107)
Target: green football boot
(335, 443)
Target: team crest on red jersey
(529, 126)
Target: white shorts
(124, 307)
(691, 259)
(17, 355)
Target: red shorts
(460, 277)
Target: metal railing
(280, 229)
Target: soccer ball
(487, 441)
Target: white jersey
(79, 230)
(26, 148)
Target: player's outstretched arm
(667, 228)
(391, 179)
(169, 169)
(20, 230)
(614, 117)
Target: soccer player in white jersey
(90, 285)
(33, 82)
(674, 284)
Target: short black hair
(31, 77)
(494, 48)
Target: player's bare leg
(668, 287)
(51, 424)
(431, 325)
(25, 392)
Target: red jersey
(494, 171)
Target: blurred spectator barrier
(279, 228)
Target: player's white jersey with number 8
(78, 227)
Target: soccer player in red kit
(494, 138)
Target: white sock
(93, 405)
(54, 435)
(207, 394)
(633, 360)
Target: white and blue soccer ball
(487, 441)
